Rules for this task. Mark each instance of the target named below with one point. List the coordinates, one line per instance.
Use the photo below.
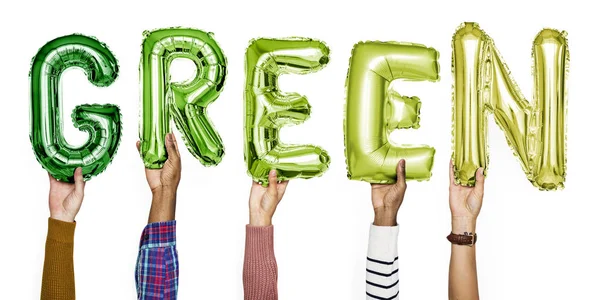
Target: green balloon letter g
(101, 122)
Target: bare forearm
(163, 206)
(385, 217)
(463, 267)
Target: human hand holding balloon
(264, 200)
(65, 198)
(465, 202)
(387, 198)
(164, 182)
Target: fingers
(281, 187)
(79, 183)
(272, 189)
(401, 173)
(172, 150)
(451, 172)
(479, 181)
(137, 145)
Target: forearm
(163, 206)
(260, 266)
(463, 267)
(58, 279)
(157, 268)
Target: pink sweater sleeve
(260, 266)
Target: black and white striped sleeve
(382, 263)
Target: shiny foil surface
(101, 122)
(534, 130)
(268, 108)
(183, 102)
(374, 110)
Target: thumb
(401, 173)
(172, 150)
(51, 178)
(479, 181)
(79, 182)
(272, 189)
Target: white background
(532, 244)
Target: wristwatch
(466, 239)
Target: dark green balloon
(183, 102)
(101, 122)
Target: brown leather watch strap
(466, 239)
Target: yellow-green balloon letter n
(268, 109)
(374, 109)
(483, 85)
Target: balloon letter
(374, 110)
(102, 122)
(483, 84)
(184, 102)
(268, 109)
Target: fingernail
(402, 163)
(169, 137)
(273, 173)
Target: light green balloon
(268, 109)
(535, 130)
(374, 110)
(101, 122)
(183, 102)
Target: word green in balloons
(183, 102)
(374, 109)
(102, 122)
(534, 130)
(268, 109)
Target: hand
(168, 177)
(164, 182)
(65, 198)
(465, 202)
(387, 198)
(264, 200)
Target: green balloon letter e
(268, 109)
(102, 122)
(374, 109)
(184, 102)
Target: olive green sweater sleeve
(58, 279)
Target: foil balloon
(374, 109)
(534, 130)
(183, 102)
(268, 108)
(101, 122)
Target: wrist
(163, 205)
(259, 220)
(385, 217)
(163, 194)
(63, 218)
(462, 224)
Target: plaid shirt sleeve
(157, 268)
